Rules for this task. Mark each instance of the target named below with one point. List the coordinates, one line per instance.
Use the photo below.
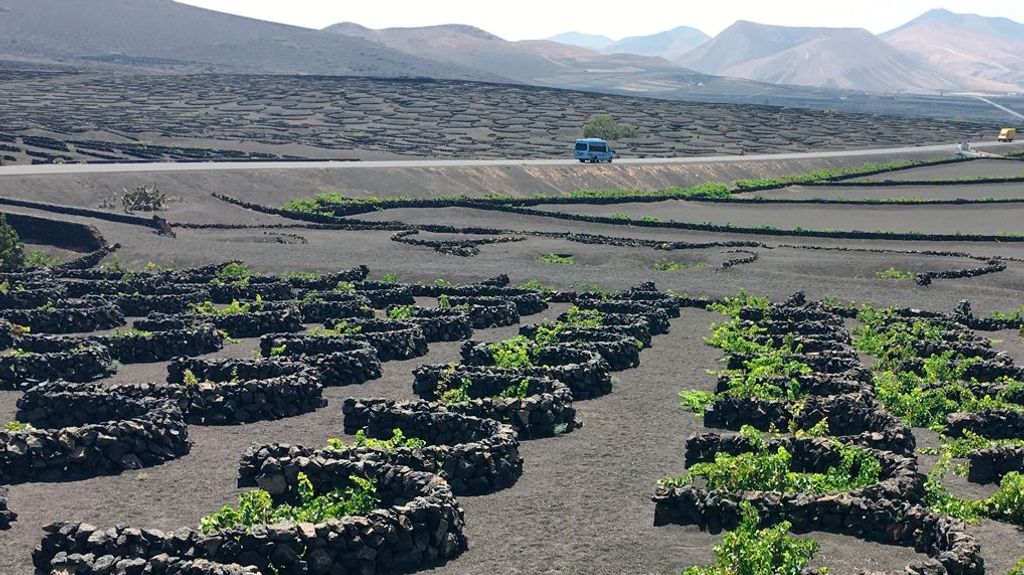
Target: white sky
(528, 19)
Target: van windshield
(598, 148)
(581, 145)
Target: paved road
(49, 169)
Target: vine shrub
(189, 379)
(451, 394)
(232, 274)
(894, 274)
(398, 440)
(922, 397)
(1006, 504)
(674, 266)
(695, 401)
(769, 372)
(764, 469)
(515, 391)
(731, 306)
(515, 352)
(340, 329)
(579, 317)
(401, 312)
(555, 259)
(824, 174)
(749, 550)
(539, 286)
(257, 508)
(234, 308)
(41, 259)
(1015, 315)
(16, 427)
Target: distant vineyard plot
(48, 117)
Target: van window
(598, 148)
(582, 146)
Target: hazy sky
(615, 18)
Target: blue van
(593, 150)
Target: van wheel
(609, 160)
(582, 161)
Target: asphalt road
(49, 169)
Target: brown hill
(988, 51)
(166, 34)
(532, 61)
(670, 44)
(832, 57)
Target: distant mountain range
(529, 61)
(670, 44)
(967, 46)
(937, 52)
(847, 58)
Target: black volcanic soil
(102, 117)
(582, 504)
(969, 219)
(974, 169)
(959, 192)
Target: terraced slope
(55, 116)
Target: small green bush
(764, 469)
(515, 391)
(41, 259)
(749, 550)
(894, 274)
(401, 312)
(233, 274)
(606, 128)
(555, 259)
(514, 352)
(189, 378)
(579, 317)
(674, 266)
(257, 508)
(398, 440)
(340, 329)
(695, 401)
(17, 427)
(537, 285)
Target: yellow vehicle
(1007, 134)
